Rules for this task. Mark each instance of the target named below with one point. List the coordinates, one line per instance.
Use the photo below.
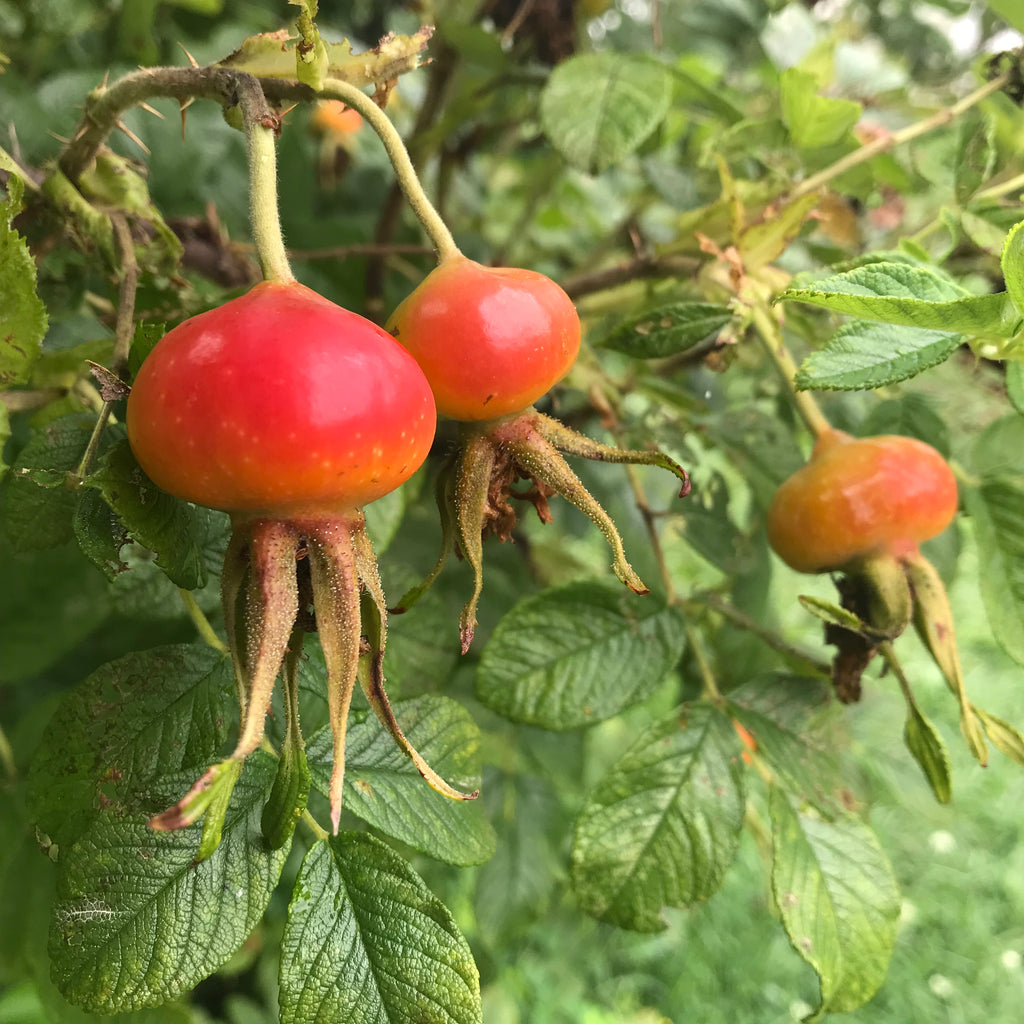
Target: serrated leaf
(911, 296)
(911, 415)
(779, 712)
(1012, 265)
(863, 355)
(166, 526)
(137, 922)
(38, 508)
(997, 508)
(838, 899)
(1004, 736)
(367, 943)
(597, 108)
(146, 715)
(667, 330)
(831, 613)
(383, 787)
(578, 654)
(662, 827)
(928, 750)
(22, 313)
(100, 534)
(272, 55)
(813, 121)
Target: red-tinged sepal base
(477, 483)
(281, 579)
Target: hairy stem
(409, 181)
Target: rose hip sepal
(491, 341)
(290, 413)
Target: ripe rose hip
(491, 340)
(279, 402)
(860, 497)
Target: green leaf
(22, 313)
(924, 742)
(814, 121)
(666, 330)
(997, 507)
(662, 827)
(367, 943)
(137, 922)
(5, 433)
(578, 654)
(838, 899)
(166, 526)
(975, 154)
(384, 516)
(597, 108)
(911, 415)
(100, 533)
(780, 712)
(272, 55)
(896, 293)
(38, 507)
(863, 355)
(383, 787)
(1012, 265)
(146, 715)
(50, 601)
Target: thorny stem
(409, 181)
(261, 127)
(122, 336)
(201, 622)
(771, 335)
(884, 143)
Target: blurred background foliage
(472, 118)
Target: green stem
(314, 826)
(771, 335)
(202, 623)
(709, 687)
(743, 621)
(408, 179)
(1002, 188)
(261, 127)
(886, 142)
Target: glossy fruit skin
(860, 497)
(491, 340)
(282, 403)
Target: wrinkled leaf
(862, 355)
(662, 827)
(366, 942)
(666, 330)
(836, 894)
(578, 654)
(383, 787)
(597, 108)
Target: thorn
(285, 113)
(106, 78)
(151, 110)
(184, 105)
(60, 138)
(191, 59)
(131, 135)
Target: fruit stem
(261, 128)
(201, 622)
(314, 826)
(771, 336)
(408, 180)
